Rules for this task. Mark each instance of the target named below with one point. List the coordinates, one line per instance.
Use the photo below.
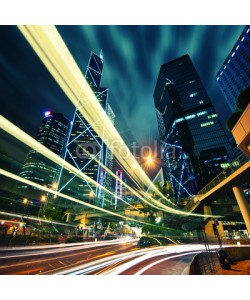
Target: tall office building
(234, 74)
(82, 138)
(53, 133)
(106, 179)
(195, 147)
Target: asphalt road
(50, 260)
(118, 257)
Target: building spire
(101, 55)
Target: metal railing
(235, 165)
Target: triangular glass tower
(83, 137)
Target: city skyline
(195, 146)
(132, 59)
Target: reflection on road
(106, 258)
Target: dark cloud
(132, 59)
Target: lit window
(201, 113)
(192, 95)
(218, 78)
(179, 120)
(221, 73)
(237, 47)
(248, 30)
(233, 54)
(242, 39)
(207, 124)
(229, 61)
(190, 117)
(192, 81)
(201, 101)
(212, 116)
(225, 67)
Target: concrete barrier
(237, 253)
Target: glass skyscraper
(53, 133)
(195, 147)
(234, 74)
(85, 149)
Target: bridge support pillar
(243, 205)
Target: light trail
(19, 134)
(103, 262)
(188, 249)
(51, 49)
(20, 179)
(53, 52)
(23, 137)
(48, 249)
(111, 263)
(31, 218)
(163, 259)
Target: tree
(167, 191)
(51, 212)
(232, 120)
(243, 99)
(241, 103)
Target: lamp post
(91, 196)
(43, 200)
(26, 202)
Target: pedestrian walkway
(237, 268)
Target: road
(99, 258)
(50, 259)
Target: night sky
(132, 59)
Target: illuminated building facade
(53, 133)
(118, 188)
(85, 149)
(234, 74)
(106, 179)
(195, 147)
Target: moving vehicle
(147, 241)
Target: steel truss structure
(83, 140)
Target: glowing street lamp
(43, 198)
(25, 200)
(91, 195)
(149, 160)
(54, 186)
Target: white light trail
(51, 49)
(26, 181)
(162, 260)
(19, 134)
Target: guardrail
(235, 165)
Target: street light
(149, 160)
(54, 186)
(25, 200)
(43, 199)
(91, 195)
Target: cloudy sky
(132, 59)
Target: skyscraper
(195, 147)
(106, 178)
(52, 134)
(85, 149)
(234, 74)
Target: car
(146, 241)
